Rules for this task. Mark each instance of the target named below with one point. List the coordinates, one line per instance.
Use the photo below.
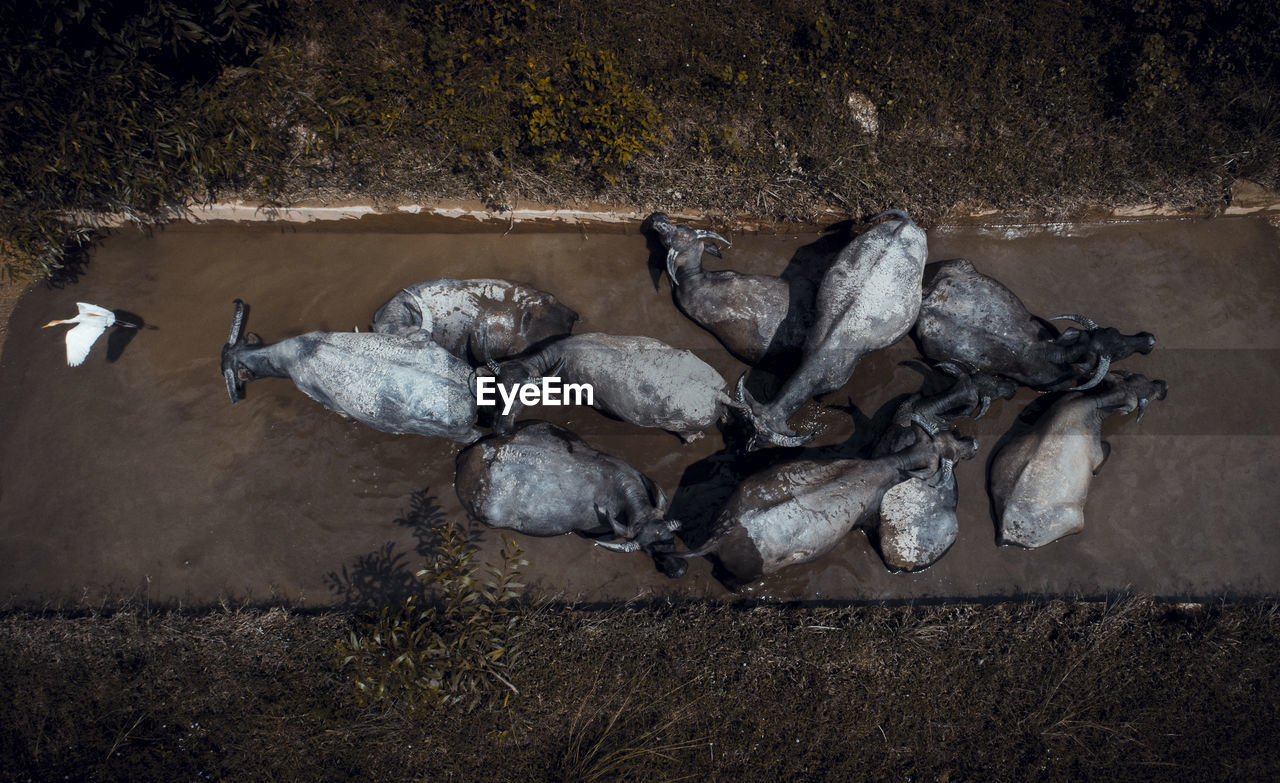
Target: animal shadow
(386, 575)
(657, 261)
(707, 483)
(803, 273)
(121, 336)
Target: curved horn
(485, 354)
(1104, 364)
(625, 546)
(237, 322)
(708, 546)
(671, 266)
(950, 368)
(740, 392)
(700, 234)
(944, 474)
(761, 431)
(1080, 319)
(1142, 407)
(607, 518)
(233, 388)
(930, 427)
(985, 404)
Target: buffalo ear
(243, 375)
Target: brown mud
(135, 473)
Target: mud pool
(135, 475)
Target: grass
(1054, 690)
(760, 110)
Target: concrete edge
(1246, 198)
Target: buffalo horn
(237, 321)
(1080, 319)
(1104, 364)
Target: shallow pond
(137, 474)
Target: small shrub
(588, 107)
(451, 646)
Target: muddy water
(137, 473)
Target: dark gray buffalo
(1040, 478)
(545, 481)
(868, 299)
(917, 522)
(797, 511)
(461, 315)
(640, 380)
(393, 383)
(972, 319)
(748, 314)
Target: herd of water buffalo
(417, 370)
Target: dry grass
(1131, 689)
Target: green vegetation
(105, 106)
(1055, 690)
(777, 109)
(451, 645)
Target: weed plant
(453, 645)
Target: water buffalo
(748, 314)
(640, 380)
(917, 521)
(1039, 479)
(868, 299)
(398, 383)
(457, 314)
(797, 511)
(545, 481)
(972, 319)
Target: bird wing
(87, 310)
(81, 338)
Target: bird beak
(51, 323)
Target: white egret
(90, 323)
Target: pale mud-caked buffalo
(868, 300)
(971, 319)
(753, 316)
(462, 315)
(1039, 479)
(639, 380)
(797, 511)
(397, 383)
(917, 523)
(543, 480)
